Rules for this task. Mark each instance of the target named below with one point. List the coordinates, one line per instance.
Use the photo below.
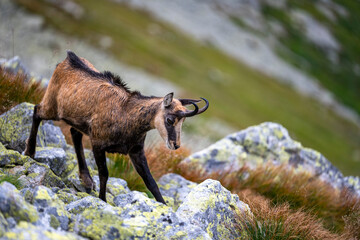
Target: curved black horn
(185, 101)
(190, 113)
(203, 109)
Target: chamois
(116, 119)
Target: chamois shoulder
(76, 63)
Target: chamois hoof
(27, 153)
(88, 182)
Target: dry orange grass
(279, 222)
(338, 211)
(15, 89)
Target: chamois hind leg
(31, 141)
(100, 159)
(83, 168)
(140, 163)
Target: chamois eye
(170, 121)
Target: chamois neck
(145, 109)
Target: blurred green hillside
(237, 94)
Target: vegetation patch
(17, 88)
(238, 95)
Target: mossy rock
(55, 158)
(175, 187)
(213, 208)
(39, 174)
(11, 157)
(147, 218)
(14, 205)
(15, 126)
(27, 231)
(88, 202)
(51, 209)
(264, 143)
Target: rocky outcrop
(267, 142)
(52, 203)
(15, 128)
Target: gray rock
(267, 142)
(67, 195)
(4, 226)
(39, 174)
(15, 126)
(14, 65)
(14, 205)
(28, 194)
(89, 202)
(11, 157)
(352, 183)
(51, 209)
(114, 186)
(213, 208)
(136, 217)
(55, 158)
(176, 187)
(26, 230)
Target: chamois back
(79, 64)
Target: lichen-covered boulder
(14, 205)
(3, 225)
(135, 217)
(114, 186)
(88, 202)
(66, 195)
(353, 184)
(267, 142)
(36, 174)
(252, 146)
(55, 158)
(15, 126)
(176, 187)
(51, 209)
(213, 208)
(28, 231)
(11, 157)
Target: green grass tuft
(11, 179)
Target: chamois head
(169, 119)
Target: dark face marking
(169, 122)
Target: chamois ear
(168, 99)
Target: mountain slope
(237, 94)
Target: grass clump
(15, 89)
(11, 179)
(296, 191)
(279, 222)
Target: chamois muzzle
(196, 111)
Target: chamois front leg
(31, 141)
(83, 168)
(139, 161)
(100, 159)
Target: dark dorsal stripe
(114, 79)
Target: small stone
(51, 209)
(39, 174)
(14, 205)
(176, 187)
(88, 202)
(55, 158)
